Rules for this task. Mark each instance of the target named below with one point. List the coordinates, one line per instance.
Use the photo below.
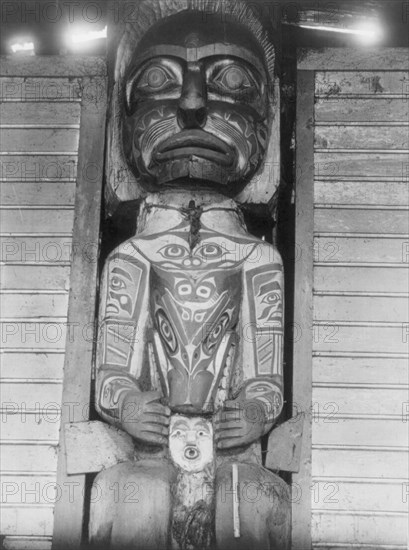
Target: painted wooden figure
(189, 359)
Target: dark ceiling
(46, 22)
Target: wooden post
(69, 508)
(302, 376)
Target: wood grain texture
(366, 249)
(51, 250)
(302, 371)
(53, 66)
(359, 83)
(38, 88)
(343, 527)
(362, 137)
(31, 167)
(358, 59)
(27, 520)
(365, 193)
(35, 396)
(27, 543)
(359, 370)
(33, 305)
(35, 335)
(22, 426)
(36, 221)
(34, 277)
(362, 432)
(361, 308)
(361, 220)
(362, 165)
(32, 365)
(40, 113)
(339, 109)
(49, 140)
(361, 279)
(30, 458)
(359, 463)
(32, 193)
(82, 305)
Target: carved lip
(192, 452)
(195, 142)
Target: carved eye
(156, 78)
(203, 291)
(271, 298)
(184, 289)
(210, 250)
(166, 332)
(233, 79)
(216, 334)
(173, 251)
(178, 433)
(117, 283)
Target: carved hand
(239, 423)
(145, 418)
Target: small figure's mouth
(197, 143)
(192, 452)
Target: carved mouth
(195, 143)
(192, 453)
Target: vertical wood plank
(69, 509)
(302, 375)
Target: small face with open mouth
(196, 106)
(190, 442)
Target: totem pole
(189, 360)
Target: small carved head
(191, 442)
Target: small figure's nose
(192, 112)
(191, 437)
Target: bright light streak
(22, 47)
(368, 32)
(83, 37)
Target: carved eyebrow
(202, 424)
(180, 424)
(119, 271)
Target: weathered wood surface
(95, 446)
(36, 221)
(337, 337)
(361, 165)
(362, 432)
(358, 59)
(366, 249)
(359, 463)
(36, 335)
(365, 495)
(32, 193)
(53, 66)
(361, 220)
(50, 140)
(34, 305)
(32, 365)
(27, 521)
(358, 308)
(361, 279)
(30, 89)
(68, 516)
(35, 395)
(362, 137)
(360, 83)
(38, 277)
(31, 167)
(24, 427)
(345, 110)
(360, 370)
(343, 526)
(365, 193)
(302, 361)
(344, 400)
(284, 445)
(38, 113)
(21, 543)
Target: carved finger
(154, 427)
(157, 408)
(157, 418)
(229, 443)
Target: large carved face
(196, 105)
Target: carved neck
(167, 210)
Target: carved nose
(192, 112)
(192, 118)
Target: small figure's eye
(178, 433)
(201, 433)
(117, 283)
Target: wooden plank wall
(39, 135)
(360, 374)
